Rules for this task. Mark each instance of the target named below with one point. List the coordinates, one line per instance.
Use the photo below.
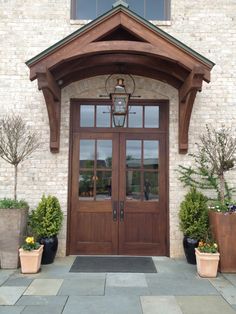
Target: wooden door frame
(164, 128)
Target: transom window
(139, 116)
(149, 9)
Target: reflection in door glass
(151, 117)
(150, 187)
(86, 185)
(151, 154)
(135, 116)
(133, 154)
(104, 154)
(103, 118)
(86, 116)
(87, 153)
(133, 186)
(103, 185)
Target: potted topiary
(45, 223)
(17, 142)
(193, 217)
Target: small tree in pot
(193, 216)
(17, 143)
(45, 222)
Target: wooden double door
(118, 191)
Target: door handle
(114, 210)
(122, 210)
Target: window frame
(166, 12)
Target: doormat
(113, 264)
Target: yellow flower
(29, 240)
(215, 245)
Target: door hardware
(114, 210)
(122, 213)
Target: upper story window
(149, 9)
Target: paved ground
(174, 289)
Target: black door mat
(113, 264)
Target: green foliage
(193, 215)
(208, 246)
(30, 244)
(11, 203)
(46, 219)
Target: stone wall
(28, 27)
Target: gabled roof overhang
(120, 42)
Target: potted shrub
(30, 256)
(193, 217)
(207, 257)
(17, 143)
(45, 222)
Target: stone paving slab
(23, 281)
(42, 300)
(44, 287)
(86, 286)
(103, 305)
(204, 305)
(10, 295)
(126, 280)
(11, 309)
(43, 309)
(164, 285)
(127, 291)
(160, 305)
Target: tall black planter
(49, 249)
(189, 249)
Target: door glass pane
(151, 117)
(86, 116)
(151, 154)
(103, 185)
(104, 154)
(87, 153)
(133, 154)
(86, 185)
(103, 118)
(133, 186)
(150, 187)
(135, 116)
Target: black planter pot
(49, 249)
(189, 249)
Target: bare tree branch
(17, 142)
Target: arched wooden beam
(120, 46)
(52, 96)
(82, 64)
(129, 69)
(187, 95)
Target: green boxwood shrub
(46, 220)
(193, 215)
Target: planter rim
(221, 213)
(206, 254)
(21, 250)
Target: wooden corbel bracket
(52, 96)
(187, 95)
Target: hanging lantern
(120, 99)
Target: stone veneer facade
(28, 27)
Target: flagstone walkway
(174, 289)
